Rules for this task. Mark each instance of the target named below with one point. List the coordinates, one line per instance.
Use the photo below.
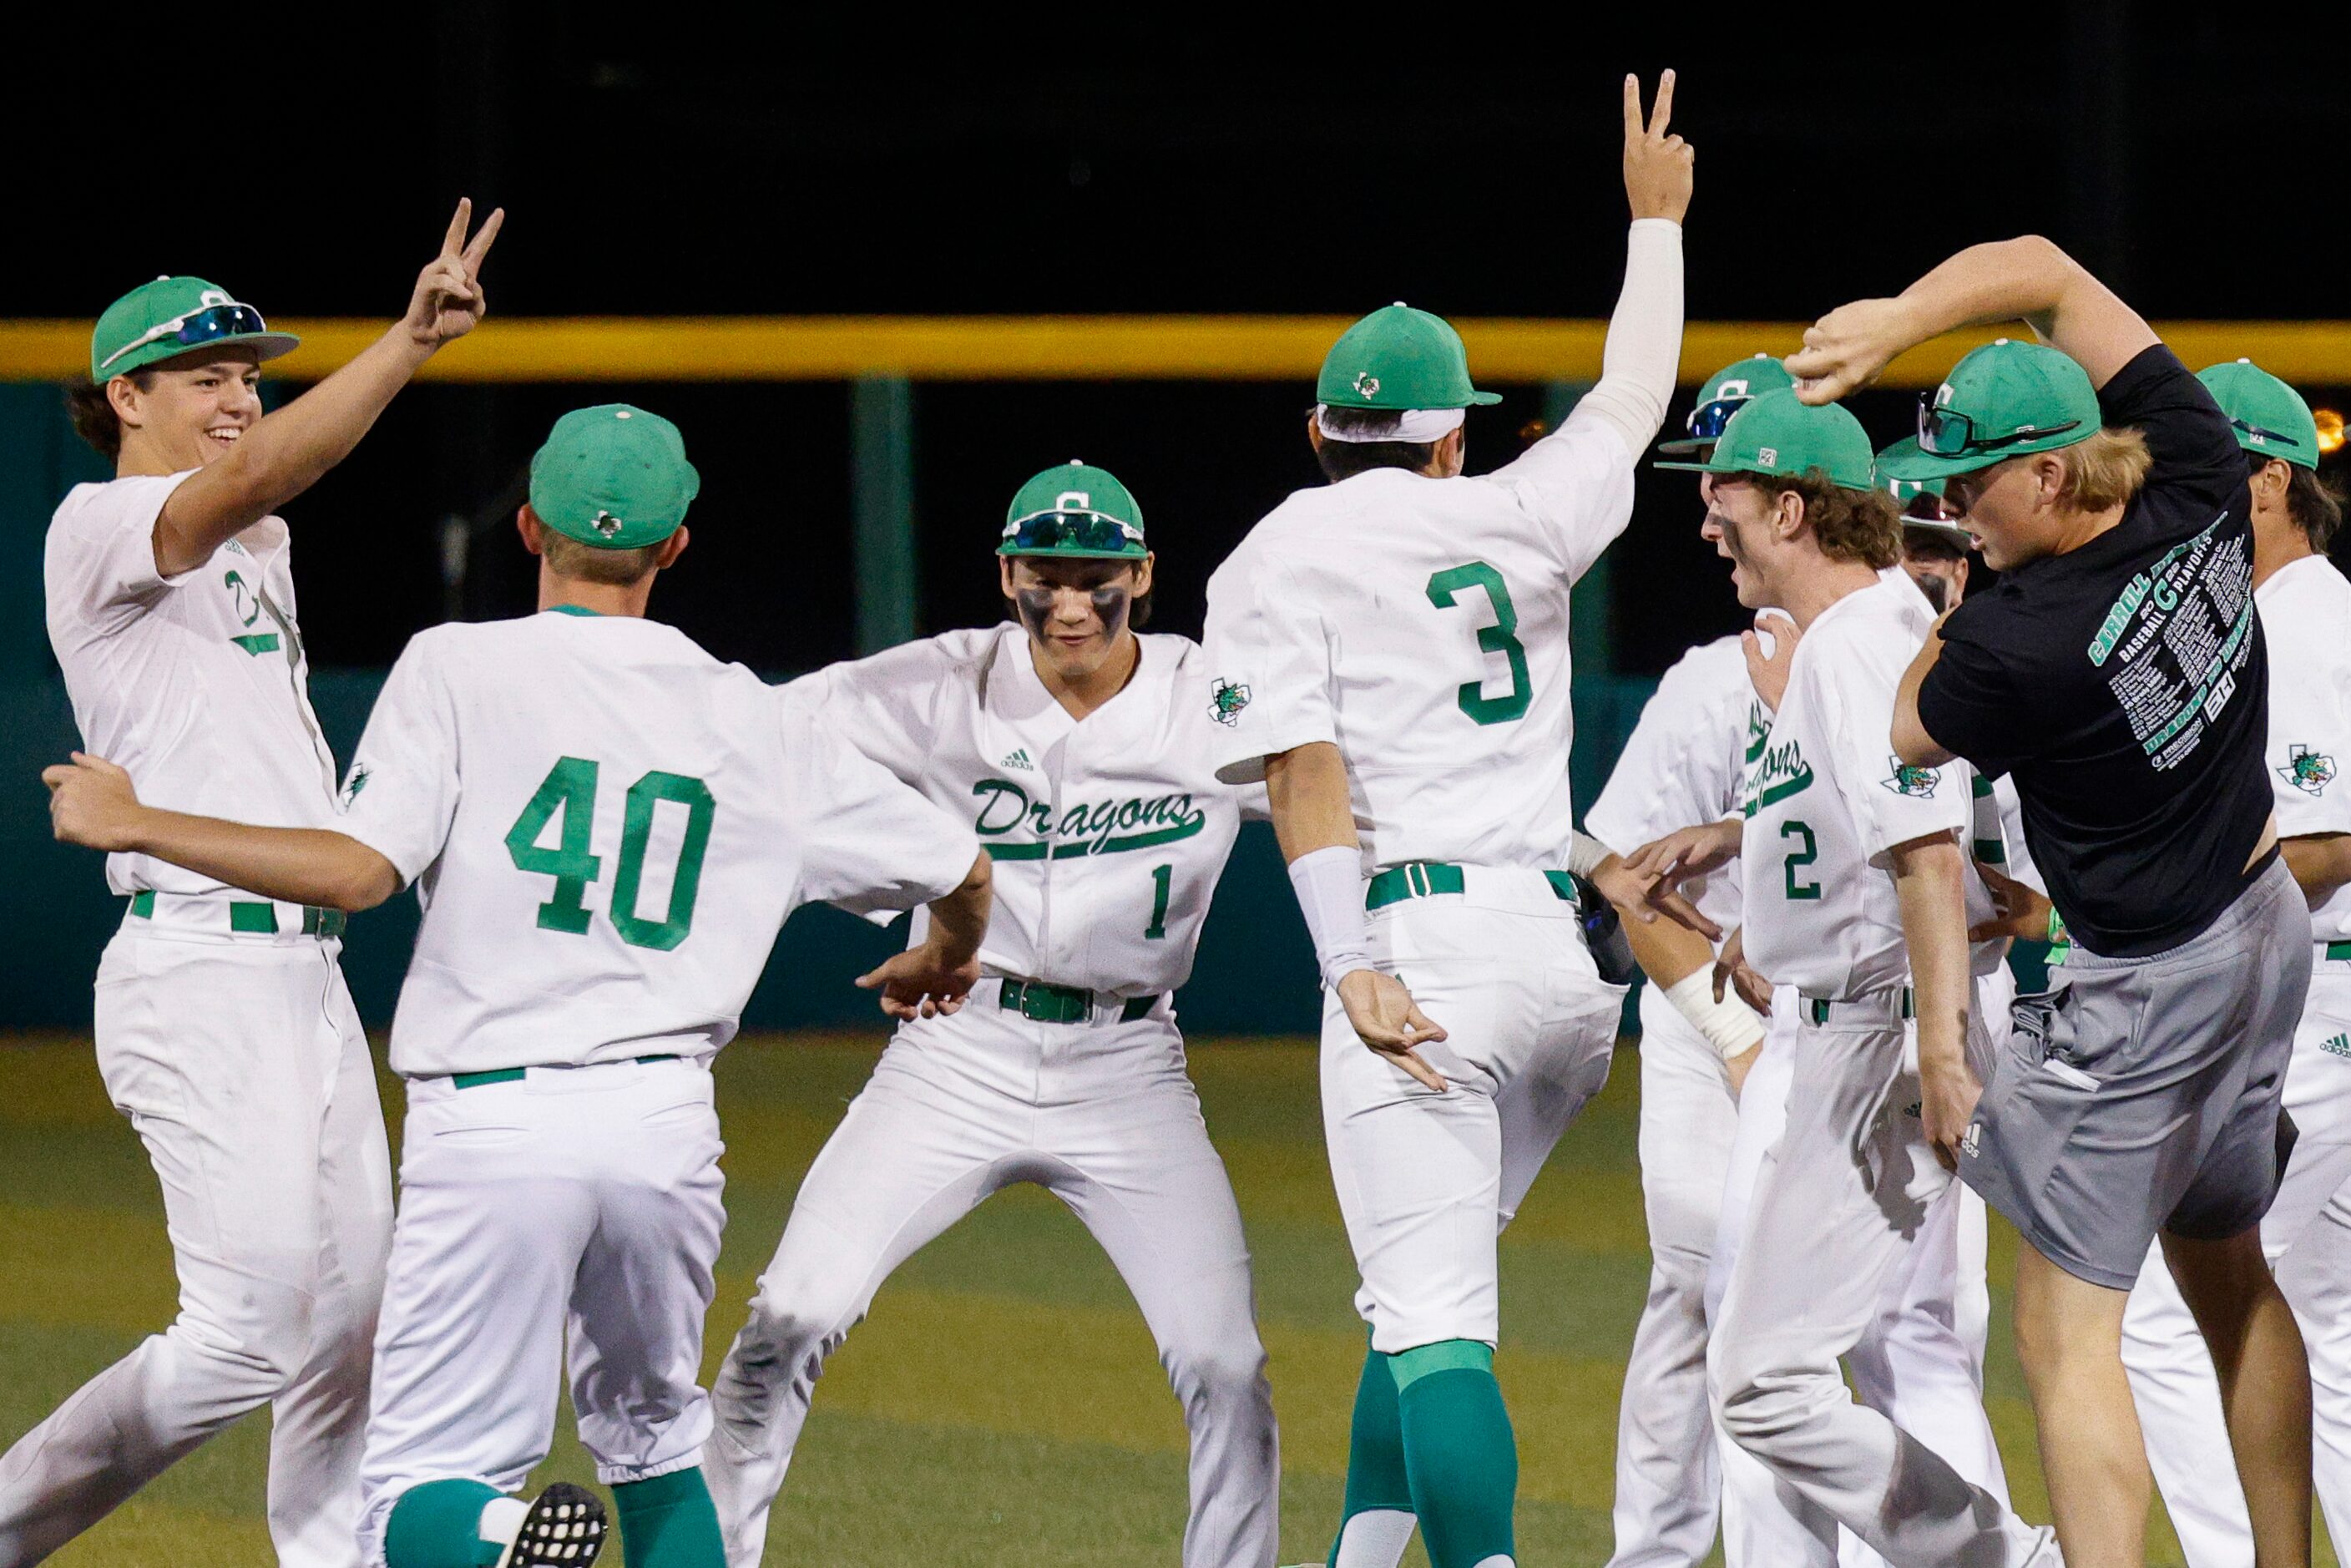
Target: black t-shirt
(2124, 685)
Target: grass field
(1003, 1405)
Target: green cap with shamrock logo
(1398, 358)
(2004, 400)
(1077, 510)
(1776, 434)
(2268, 416)
(614, 477)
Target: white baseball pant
(1834, 1244)
(573, 1202)
(2307, 1236)
(1427, 1181)
(1101, 1115)
(242, 1066)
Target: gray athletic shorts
(2142, 1093)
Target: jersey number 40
(569, 790)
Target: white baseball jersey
(2305, 610)
(1437, 662)
(1827, 798)
(1683, 762)
(1108, 834)
(195, 682)
(606, 826)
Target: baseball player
(1390, 653)
(2117, 670)
(2305, 607)
(1079, 751)
(223, 1030)
(606, 826)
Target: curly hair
(93, 415)
(1850, 525)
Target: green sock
(439, 1525)
(668, 1522)
(1459, 1453)
(1376, 1474)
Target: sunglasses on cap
(1071, 530)
(208, 324)
(1947, 433)
(2247, 428)
(1707, 421)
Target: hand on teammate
(1948, 1091)
(1769, 671)
(1390, 1022)
(923, 982)
(1658, 168)
(91, 802)
(2018, 910)
(1730, 970)
(1644, 898)
(1844, 350)
(448, 302)
(1664, 864)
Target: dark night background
(1467, 162)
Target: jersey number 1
(1501, 638)
(569, 791)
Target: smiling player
(1080, 750)
(223, 1030)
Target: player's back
(1442, 605)
(607, 827)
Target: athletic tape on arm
(1730, 1025)
(1643, 353)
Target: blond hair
(2105, 471)
(568, 556)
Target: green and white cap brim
(1413, 425)
(1074, 511)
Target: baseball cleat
(564, 1529)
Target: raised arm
(288, 451)
(1642, 356)
(91, 803)
(2027, 279)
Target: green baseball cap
(2004, 400)
(2269, 416)
(1077, 510)
(614, 477)
(1720, 395)
(1776, 434)
(1398, 358)
(174, 316)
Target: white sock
(502, 1522)
(1375, 1538)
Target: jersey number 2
(1802, 857)
(1501, 638)
(569, 791)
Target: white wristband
(1584, 854)
(1730, 1025)
(1330, 888)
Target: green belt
(1425, 879)
(515, 1075)
(1816, 1009)
(251, 919)
(1044, 1003)
(2338, 950)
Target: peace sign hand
(1657, 167)
(448, 302)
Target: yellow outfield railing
(1503, 349)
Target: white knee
(262, 1343)
(1760, 1407)
(1219, 1373)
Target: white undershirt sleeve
(1642, 357)
(1329, 887)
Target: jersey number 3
(1501, 638)
(569, 790)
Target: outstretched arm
(91, 803)
(2027, 279)
(1642, 356)
(935, 975)
(288, 451)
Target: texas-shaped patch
(2308, 771)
